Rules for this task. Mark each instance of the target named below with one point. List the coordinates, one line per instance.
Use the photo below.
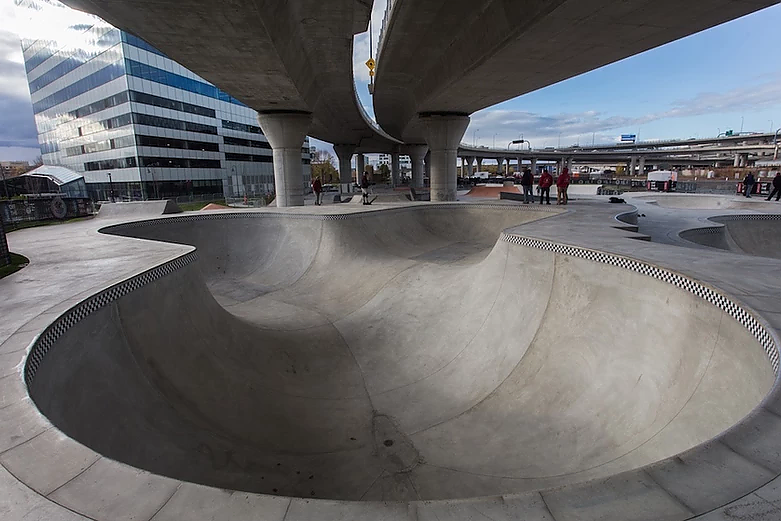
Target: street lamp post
(474, 137)
(775, 145)
(494, 140)
(110, 188)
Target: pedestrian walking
(562, 183)
(748, 185)
(317, 188)
(776, 187)
(527, 180)
(546, 181)
(365, 188)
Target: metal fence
(5, 256)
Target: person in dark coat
(546, 181)
(365, 188)
(527, 180)
(748, 185)
(776, 187)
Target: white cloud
(585, 127)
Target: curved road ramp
(138, 209)
(408, 354)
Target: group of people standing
(544, 185)
(749, 181)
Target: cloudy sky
(721, 79)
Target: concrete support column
(285, 133)
(479, 164)
(395, 170)
(743, 160)
(360, 166)
(345, 155)
(569, 165)
(632, 165)
(469, 169)
(641, 168)
(520, 165)
(417, 155)
(443, 135)
(427, 164)
(534, 166)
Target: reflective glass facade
(107, 102)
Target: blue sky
(694, 87)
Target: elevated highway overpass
(441, 61)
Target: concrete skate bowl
(753, 234)
(400, 355)
(705, 202)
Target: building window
(157, 101)
(232, 125)
(248, 158)
(98, 126)
(228, 140)
(109, 144)
(110, 164)
(147, 72)
(176, 124)
(164, 142)
(178, 162)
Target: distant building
(106, 102)
(14, 168)
(405, 163)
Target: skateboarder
(546, 181)
(317, 188)
(776, 187)
(562, 183)
(365, 188)
(527, 180)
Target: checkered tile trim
(749, 321)
(748, 217)
(117, 228)
(44, 342)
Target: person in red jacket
(546, 181)
(562, 183)
(317, 188)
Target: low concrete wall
(5, 257)
(46, 208)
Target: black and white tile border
(44, 342)
(748, 321)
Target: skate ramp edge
(219, 400)
(138, 209)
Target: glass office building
(110, 106)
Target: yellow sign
(371, 73)
(371, 64)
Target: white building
(112, 107)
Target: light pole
(494, 141)
(474, 137)
(559, 140)
(775, 145)
(741, 124)
(110, 187)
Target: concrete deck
(554, 370)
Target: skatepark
(400, 360)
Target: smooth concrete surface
(137, 209)
(298, 341)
